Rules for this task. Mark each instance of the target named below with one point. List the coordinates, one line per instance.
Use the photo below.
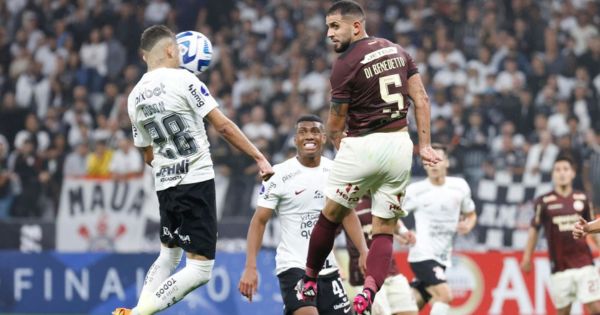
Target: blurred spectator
(126, 160)
(257, 127)
(115, 55)
(591, 169)
(28, 169)
(557, 122)
(94, 59)
(98, 162)
(541, 155)
(32, 132)
(76, 161)
(6, 193)
(33, 90)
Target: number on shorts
(338, 287)
(177, 135)
(384, 90)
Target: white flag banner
(102, 215)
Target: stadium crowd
(512, 84)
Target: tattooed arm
(336, 123)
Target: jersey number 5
(384, 90)
(177, 135)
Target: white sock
(176, 287)
(163, 266)
(439, 308)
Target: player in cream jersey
(166, 109)
(442, 208)
(296, 195)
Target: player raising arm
(371, 81)
(296, 195)
(443, 208)
(166, 108)
(573, 273)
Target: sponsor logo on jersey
(267, 191)
(555, 206)
(149, 93)
(565, 223)
(578, 205)
(287, 177)
(318, 195)
(309, 220)
(199, 100)
(180, 168)
(349, 193)
(579, 196)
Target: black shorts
(188, 217)
(331, 296)
(427, 273)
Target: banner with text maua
(101, 215)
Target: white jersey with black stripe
(437, 210)
(166, 108)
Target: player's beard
(342, 46)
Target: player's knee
(445, 296)
(202, 270)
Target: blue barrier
(97, 283)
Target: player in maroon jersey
(396, 296)
(573, 273)
(371, 82)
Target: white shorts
(395, 296)
(576, 283)
(380, 163)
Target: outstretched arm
(353, 227)
(417, 93)
(249, 281)
(236, 137)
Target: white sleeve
(410, 202)
(141, 137)
(467, 204)
(198, 96)
(270, 194)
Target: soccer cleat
(306, 289)
(121, 311)
(363, 303)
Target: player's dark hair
(347, 7)
(152, 35)
(314, 118)
(439, 146)
(565, 158)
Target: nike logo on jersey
(297, 192)
(346, 310)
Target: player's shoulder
(285, 170)
(546, 198)
(579, 195)
(458, 182)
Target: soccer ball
(195, 51)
